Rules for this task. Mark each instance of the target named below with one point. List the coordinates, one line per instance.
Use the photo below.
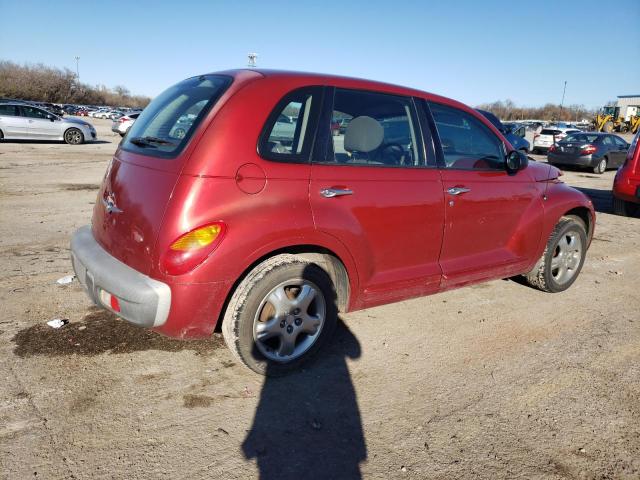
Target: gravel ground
(492, 381)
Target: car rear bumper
(563, 159)
(143, 301)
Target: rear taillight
(123, 119)
(588, 149)
(191, 249)
(552, 148)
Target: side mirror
(516, 160)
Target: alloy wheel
(566, 257)
(289, 320)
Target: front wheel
(280, 315)
(73, 136)
(601, 166)
(562, 258)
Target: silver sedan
(25, 122)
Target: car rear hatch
(140, 179)
(548, 136)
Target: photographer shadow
(307, 424)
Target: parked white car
(105, 114)
(20, 121)
(121, 125)
(550, 136)
(95, 113)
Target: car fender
(559, 200)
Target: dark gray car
(514, 133)
(598, 151)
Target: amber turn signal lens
(196, 239)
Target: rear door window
(375, 129)
(165, 126)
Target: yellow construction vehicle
(610, 120)
(633, 125)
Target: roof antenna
(252, 60)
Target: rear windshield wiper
(149, 141)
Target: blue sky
(473, 51)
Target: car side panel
(13, 127)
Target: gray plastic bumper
(143, 300)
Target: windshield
(166, 125)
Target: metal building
(628, 105)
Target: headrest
(363, 134)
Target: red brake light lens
(552, 148)
(588, 149)
(191, 249)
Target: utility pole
(562, 102)
(77, 68)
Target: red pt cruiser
(231, 200)
(626, 185)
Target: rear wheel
(601, 166)
(73, 136)
(280, 315)
(562, 258)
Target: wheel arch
(584, 214)
(321, 256)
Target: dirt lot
(492, 381)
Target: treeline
(507, 110)
(41, 83)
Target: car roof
(311, 78)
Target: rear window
(165, 126)
(547, 131)
(580, 137)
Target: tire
(567, 264)
(73, 136)
(266, 300)
(535, 151)
(601, 166)
(624, 208)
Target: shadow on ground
(101, 332)
(602, 199)
(307, 424)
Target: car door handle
(335, 192)
(458, 190)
